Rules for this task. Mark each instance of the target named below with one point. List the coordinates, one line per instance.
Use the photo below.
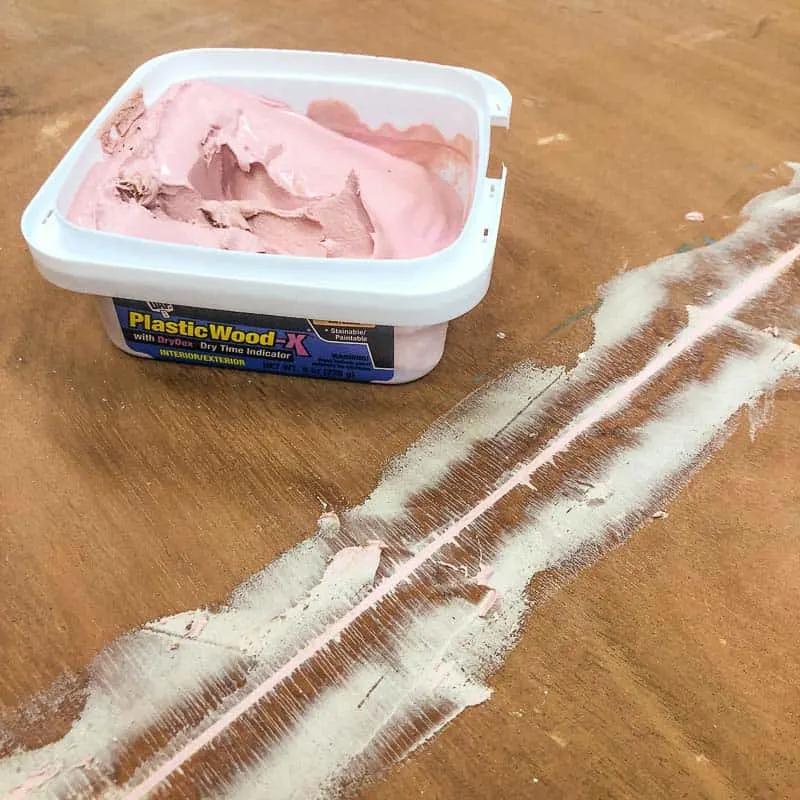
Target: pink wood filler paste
(216, 166)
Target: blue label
(286, 345)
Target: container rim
(81, 259)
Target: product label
(288, 345)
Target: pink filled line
(704, 323)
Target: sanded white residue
(449, 654)
(777, 202)
(297, 603)
(480, 417)
(697, 35)
(541, 141)
(197, 624)
(260, 623)
(668, 448)
(133, 682)
(759, 413)
(263, 597)
(598, 492)
(424, 672)
(630, 300)
(35, 781)
(139, 677)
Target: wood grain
(132, 490)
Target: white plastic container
(267, 301)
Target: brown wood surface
(132, 490)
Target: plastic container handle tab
(491, 206)
(498, 97)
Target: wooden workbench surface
(132, 490)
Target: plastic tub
(283, 313)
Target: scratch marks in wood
(580, 314)
(761, 26)
(8, 101)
